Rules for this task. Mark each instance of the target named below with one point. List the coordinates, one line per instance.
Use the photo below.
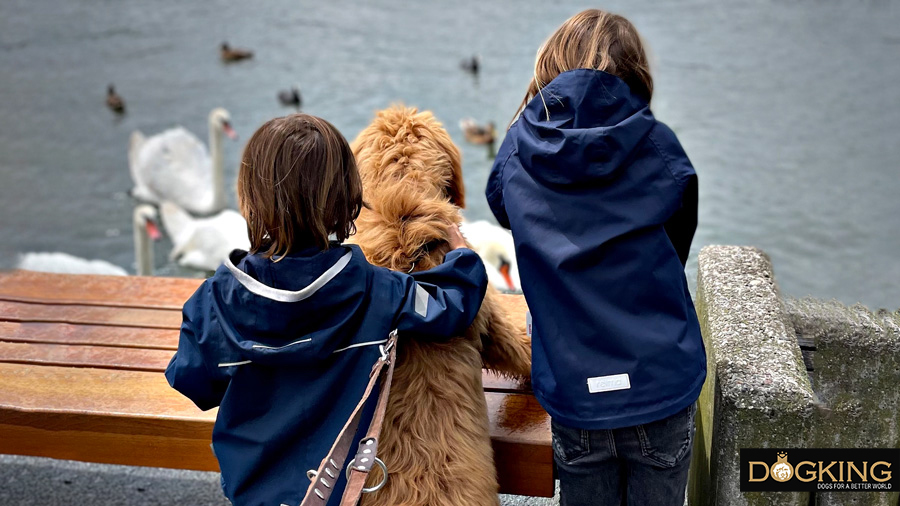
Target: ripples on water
(789, 110)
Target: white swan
(203, 243)
(63, 263)
(174, 165)
(495, 246)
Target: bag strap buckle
(385, 349)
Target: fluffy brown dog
(435, 441)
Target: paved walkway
(26, 481)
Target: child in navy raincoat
(282, 338)
(602, 203)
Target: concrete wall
(758, 393)
(856, 375)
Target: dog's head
(402, 143)
(412, 183)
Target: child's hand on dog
(455, 237)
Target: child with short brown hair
(282, 338)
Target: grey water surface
(790, 111)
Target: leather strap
(322, 484)
(364, 460)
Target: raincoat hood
(258, 312)
(595, 122)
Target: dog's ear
(456, 189)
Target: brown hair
(297, 184)
(593, 39)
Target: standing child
(283, 337)
(602, 203)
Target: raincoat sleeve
(188, 371)
(494, 192)
(443, 301)
(681, 226)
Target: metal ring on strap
(384, 478)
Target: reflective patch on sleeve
(421, 301)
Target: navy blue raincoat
(590, 195)
(285, 349)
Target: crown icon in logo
(782, 470)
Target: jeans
(635, 466)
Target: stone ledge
(757, 393)
(752, 345)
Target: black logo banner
(813, 469)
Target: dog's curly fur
(436, 439)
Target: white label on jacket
(421, 301)
(528, 322)
(608, 383)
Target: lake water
(790, 111)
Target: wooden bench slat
(103, 357)
(98, 392)
(109, 447)
(82, 289)
(93, 315)
(93, 335)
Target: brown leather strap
(368, 447)
(322, 484)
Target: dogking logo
(781, 470)
(811, 469)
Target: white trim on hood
(258, 288)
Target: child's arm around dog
(443, 301)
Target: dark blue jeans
(635, 466)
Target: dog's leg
(505, 347)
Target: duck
(114, 101)
(477, 134)
(496, 248)
(203, 243)
(230, 54)
(145, 231)
(291, 97)
(175, 166)
(471, 64)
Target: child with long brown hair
(602, 203)
(282, 338)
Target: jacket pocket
(569, 444)
(665, 442)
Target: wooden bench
(81, 363)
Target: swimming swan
(175, 166)
(203, 243)
(495, 246)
